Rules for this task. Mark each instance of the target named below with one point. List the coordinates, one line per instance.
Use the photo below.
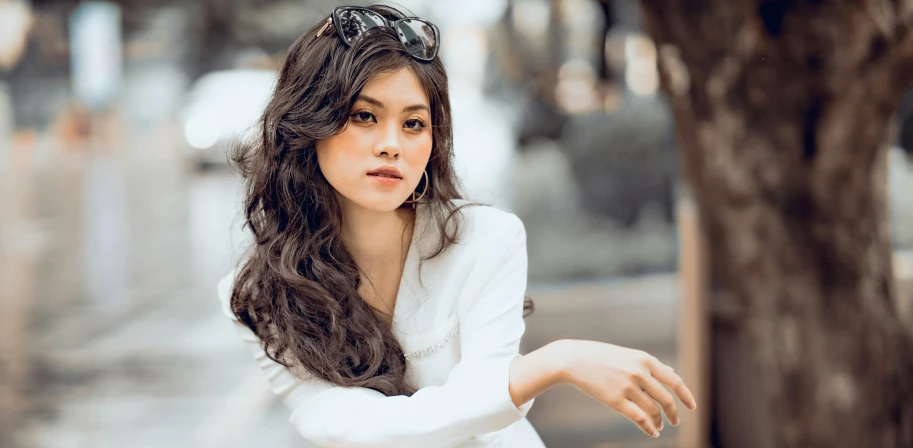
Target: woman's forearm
(630, 381)
(537, 372)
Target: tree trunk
(784, 113)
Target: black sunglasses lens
(355, 21)
(419, 38)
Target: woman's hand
(629, 381)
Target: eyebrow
(378, 103)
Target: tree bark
(784, 113)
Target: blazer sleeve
(474, 400)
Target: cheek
(421, 150)
(335, 155)
(331, 160)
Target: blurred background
(119, 212)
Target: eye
(363, 116)
(415, 124)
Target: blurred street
(120, 222)
(120, 214)
(109, 263)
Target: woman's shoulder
(223, 290)
(488, 224)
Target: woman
(385, 310)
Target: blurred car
(222, 107)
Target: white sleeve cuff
(496, 390)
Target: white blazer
(460, 327)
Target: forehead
(398, 87)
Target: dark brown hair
(297, 291)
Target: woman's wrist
(540, 370)
(560, 356)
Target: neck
(377, 240)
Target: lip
(386, 170)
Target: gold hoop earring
(424, 190)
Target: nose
(388, 142)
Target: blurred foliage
(215, 28)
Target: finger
(638, 416)
(659, 394)
(646, 404)
(667, 376)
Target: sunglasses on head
(420, 37)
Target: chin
(385, 203)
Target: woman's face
(389, 128)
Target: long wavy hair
(298, 289)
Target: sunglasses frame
(335, 18)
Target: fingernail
(675, 422)
(655, 434)
(660, 428)
(692, 405)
